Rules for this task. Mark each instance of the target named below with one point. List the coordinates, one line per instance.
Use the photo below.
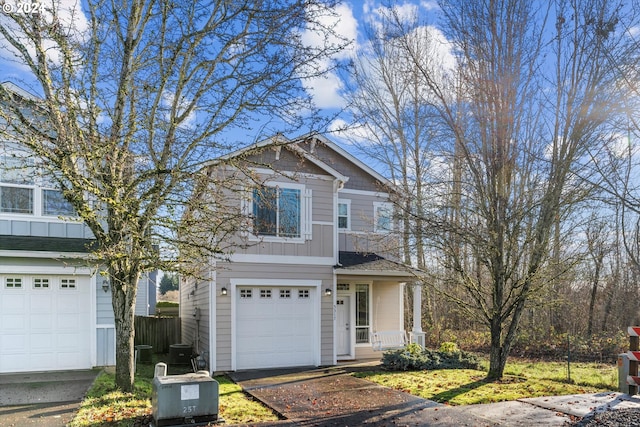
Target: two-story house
(313, 276)
(55, 308)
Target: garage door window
(245, 293)
(303, 293)
(13, 283)
(265, 293)
(39, 283)
(285, 293)
(67, 283)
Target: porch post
(417, 336)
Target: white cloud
(69, 17)
(168, 99)
(326, 90)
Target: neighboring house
(55, 310)
(316, 274)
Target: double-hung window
(17, 178)
(53, 202)
(25, 187)
(383, 217)
(344, 214)
(277, 211)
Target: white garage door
(44, 323)
(275, 327)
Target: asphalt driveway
(48, 399)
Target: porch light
(105, 285)
(223, 291)
(327, 292)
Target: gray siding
(104, 309)
(361, 237)
(42, 228)
(194, 294)
(106, 347)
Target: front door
(343, 318)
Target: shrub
(167, 304)
(417, 359)
(449, 347)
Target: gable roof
(344, 153)
(294, 145)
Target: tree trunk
(497, 355)
(124, 289)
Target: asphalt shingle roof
(47, 244)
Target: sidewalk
(332, 397)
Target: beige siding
(387, 307)
(253, 271)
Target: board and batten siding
(44, 228)
(285, 272)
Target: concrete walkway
(44, 399)
(332, 397)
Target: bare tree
(533, 95)
(394, 122)
(133, 96)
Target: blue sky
(327, 92)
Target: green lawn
(522, 379)
(106, 407)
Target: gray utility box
(189, 399)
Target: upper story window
(344, 214)
(17, 178)
(277, 211)
(24, 189)
(383, 217)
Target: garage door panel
(41, 304)
(41, 342)
(67, 321)
(276, 331)
(14, 302)
(14, 322)
(14, 343)
(45, 327)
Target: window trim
(37, 183)
(346, 202)
(305, 212)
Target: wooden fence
(159, 332)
